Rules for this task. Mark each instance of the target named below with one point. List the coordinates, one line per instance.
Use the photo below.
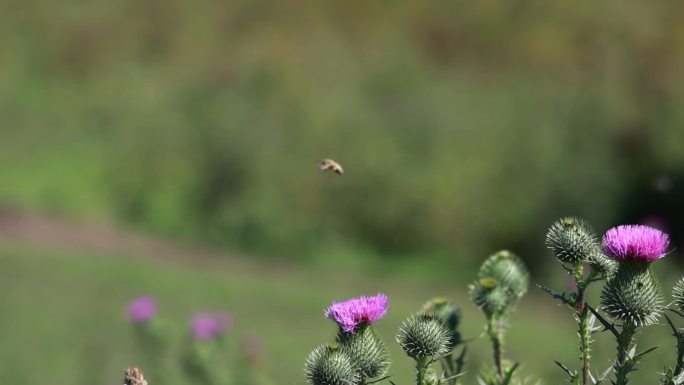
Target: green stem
(421, 368)
(582, 320)
(495, 335)
(585, 335)
(624, 342)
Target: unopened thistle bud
(508, 271)
(432, 378)
(503, 280)
(449, 313)
(422, 336)
(632, 294)
(678, 294)
(492, 298)
(329, 365)
(571, 240)
(604, 265)
(366, 350)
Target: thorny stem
(624, 341)
(582, 319)
(585, 335)
(495, 335)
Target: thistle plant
(450, 315)
(426, 339)
(203, 354)
(576, 248)
(502, 282)
(631, 297)
(356, 349)
(675, 375)
(151, 334)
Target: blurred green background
(464, 127)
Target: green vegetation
(464, 127)
(64, 316)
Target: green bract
(632, 295)
(366, 350)
(423, 336)
(328, 365)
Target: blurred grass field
(64, 313)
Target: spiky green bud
(493, 300)
(449, 313)
(423, 336)
(432, 378)
(366, 350)
(606, 266)
(572, 240)
(632, 295)
(503, 280)
(508, 271)
(678, 294)
(329, 365)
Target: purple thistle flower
(207, 326)
(141, 309)
(635, 242)
(351, 313)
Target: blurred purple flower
(141, 309)
(635, 242)
(351, 313)
(207, 326)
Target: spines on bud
(632, 295)
(678, 294)
(572, 240)
(366, 350)
(503, 280)
(508, 270)
(604, 265)
(449, 313)
(329, 365)
(423, 336)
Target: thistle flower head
(571, 240)
(356, 311)
(635, 242)
(328, 365)
(207, 326)
(424, 336)
(141, 309)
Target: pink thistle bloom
(141, 309)
(635, 243)
(351, 313)
(207, 326)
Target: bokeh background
(171, 148)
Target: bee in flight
(329, 164)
